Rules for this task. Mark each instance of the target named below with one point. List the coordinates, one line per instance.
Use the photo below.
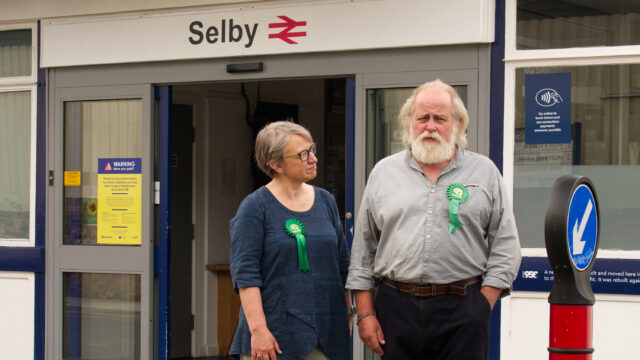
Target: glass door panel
(109, 129)
(101, 316)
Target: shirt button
(428, 235)
(433, 190)
(429, 212)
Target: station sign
(263, 29)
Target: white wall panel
(615, 322)
(17, 314)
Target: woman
(289, 258)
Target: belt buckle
(423, 291)
(418, 291)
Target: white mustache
(431, 135)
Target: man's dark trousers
(441, 327)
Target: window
(604, 146)
(554, 24)
(15, 154)
(15, 53)
(17, 136)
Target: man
(436, 234)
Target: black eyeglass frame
(304, 154)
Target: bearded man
(435, 236)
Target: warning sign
(120, 199)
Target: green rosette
(296, 230)
(457, 194)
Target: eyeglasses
(304, 154)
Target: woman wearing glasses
(289, 258)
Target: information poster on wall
(120, 201)
(608, 276)
(548, 108)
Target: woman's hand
(263, 345)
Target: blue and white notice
(547, 108)
(582, 227)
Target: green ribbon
(296, 230)
(457, 194)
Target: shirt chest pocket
(476, 208)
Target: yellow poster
(72, 178)
(120, 201)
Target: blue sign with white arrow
(582, 227)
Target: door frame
(162, 257)
(95, 259)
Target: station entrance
(188, 128)
(213, 128)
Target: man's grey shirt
(401, 232)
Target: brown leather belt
(425, 290)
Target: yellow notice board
(120, 201)
(72, 178)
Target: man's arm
(491, 293)
(504, 244)
(368, 326)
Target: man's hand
(491, 293)
(371, 334)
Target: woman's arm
(263, 344)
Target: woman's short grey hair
(459, 112)
(272, 141)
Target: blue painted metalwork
(163, 254)
(496, 136)
(41, 208)
(350, 157)
(18, 258)
(496, 120)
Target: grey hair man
(435, 235)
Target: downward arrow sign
(578, 244)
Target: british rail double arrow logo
(288, 25)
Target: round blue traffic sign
(582, 227)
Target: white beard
(433, 153)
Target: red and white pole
(571, 332)
(571, 237)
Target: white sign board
(263, 30)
